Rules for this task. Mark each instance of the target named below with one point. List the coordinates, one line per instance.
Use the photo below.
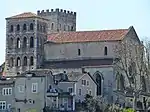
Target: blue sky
(91, 14)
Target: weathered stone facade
(59, 20)
(24, 44)
(45, 41)
(30, 90)
(25, 37)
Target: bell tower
(25, 36)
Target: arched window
(18, 27)
(68, 28)
(120, 81)
(25, 61)
(52, 26)
(31, 26)
(139, 104)
(24, 27)
(24, 42)
(105, 51)
(72, 28)
(143, 81)
(99, 81)
(11, 28)
(38, 27)
(38, 44)
(31, 42)
(18, 73)
(44, 28)
(18, 63)
(122, 86)
(64, 27)
(132, 69)
(11, 62)
(59, 26)
(18, 43)
(31, 61)
(79, 52)
(11, 42)
(41, 28)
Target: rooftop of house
(71, 77)
(88, 36)
(63, 77)
(6, 81)
(25, 15)
(75, 76)
(34, 73)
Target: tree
(98, 105)
(91, 104)
(132, 67)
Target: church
(49, 40)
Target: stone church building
(49, 40)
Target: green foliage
(112, 108)
(128, 110)
(91, 104)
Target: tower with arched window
(25, 38)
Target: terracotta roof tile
(24, 15)
(88, 36)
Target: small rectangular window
(79, 52)
(70, 89)
(87, 91)
(90, 92)
(34, 87)
(3, 91)
(82, 82)
(79, 91)
(18, 109)
(2, 105)
(105, 51)
(8, 106)
(7, 91)
(87, 83)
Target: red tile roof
(88, 36)
(24, 15)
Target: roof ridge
(102, 30)
(87, 31)
(24, 15)
(88, 36)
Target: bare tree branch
(133, 62)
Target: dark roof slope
(2, 68)
(77, 63)
(74, 76)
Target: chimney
(83, 70)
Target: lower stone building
(6, 94)
(40, 90)
(30, 90)
(69, 89)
